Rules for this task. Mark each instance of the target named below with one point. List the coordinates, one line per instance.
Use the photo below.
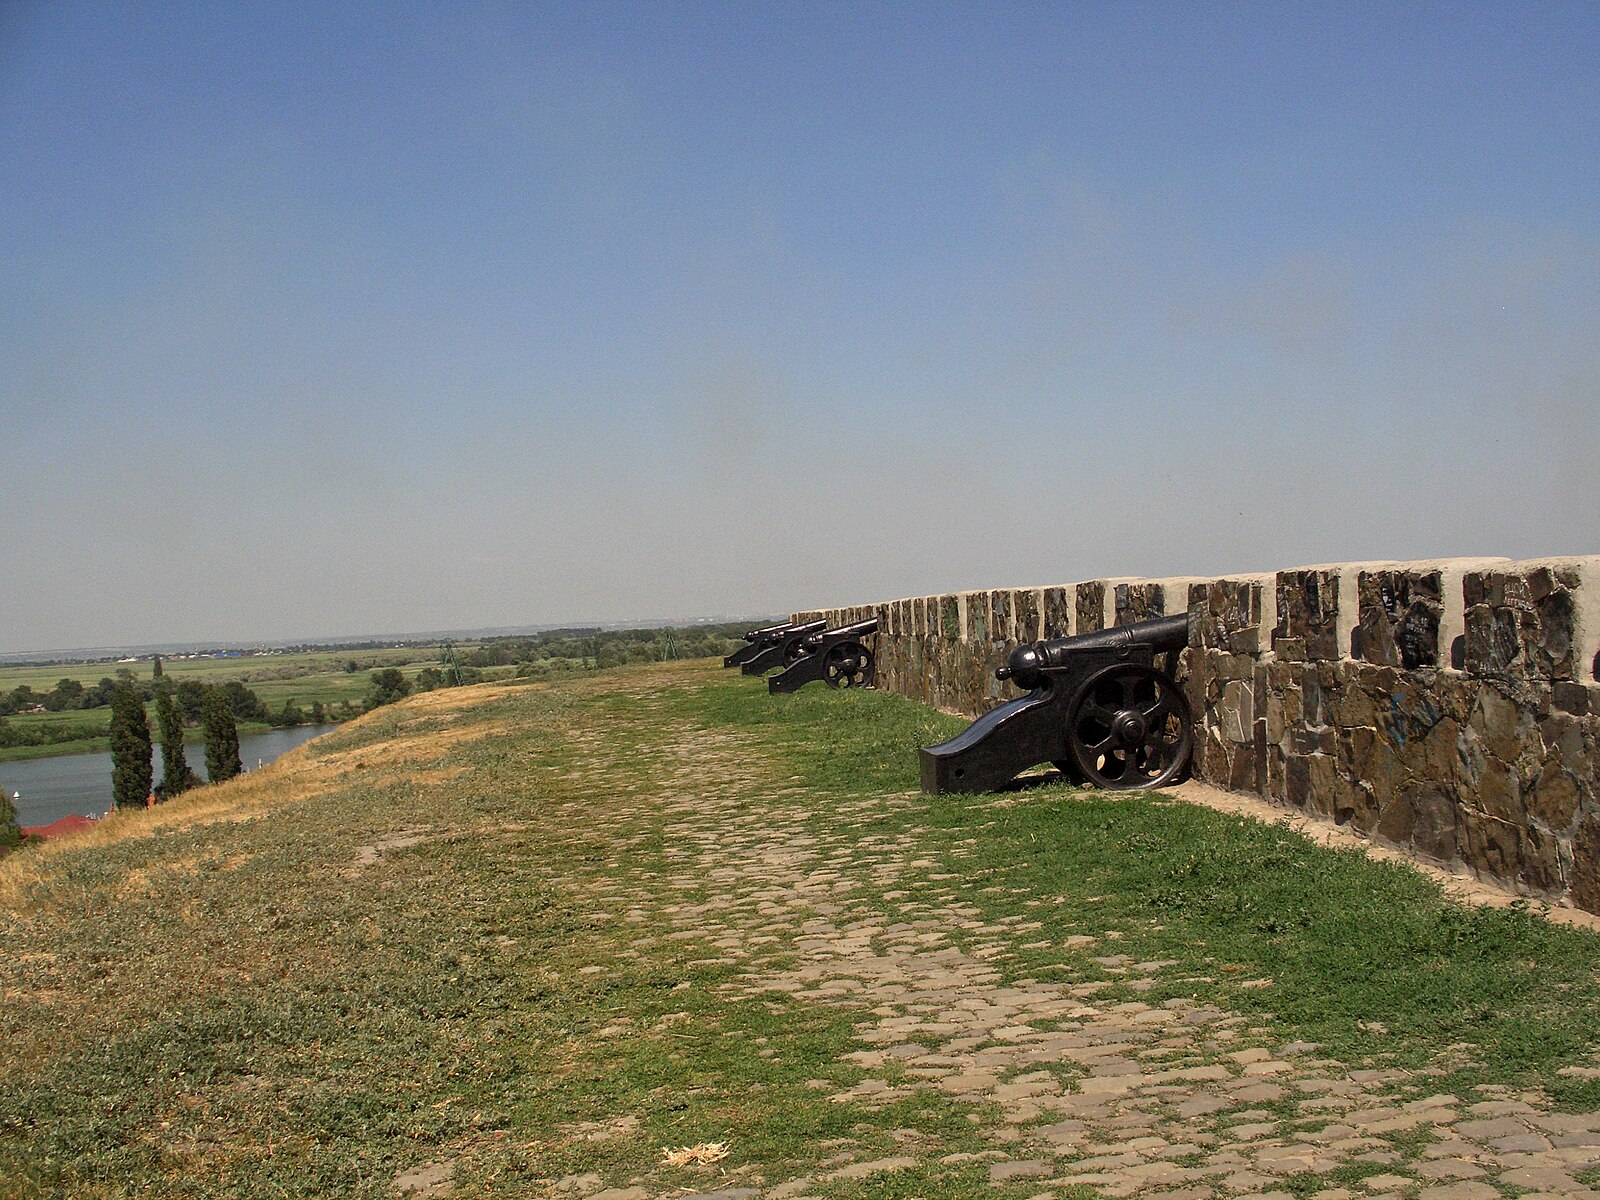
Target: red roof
(66, 825)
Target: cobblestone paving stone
(1177, 1101)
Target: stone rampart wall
(1447, 708)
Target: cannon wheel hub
(1129, 727)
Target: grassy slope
(226, 997)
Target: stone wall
(1447, 708)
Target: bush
(246, 705)
(388, 685)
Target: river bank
(65, 784)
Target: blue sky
(330, 318)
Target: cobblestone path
(1073, 1082)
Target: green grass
(232, 1008)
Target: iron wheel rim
(1129, 728)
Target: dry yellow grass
(454, 699)
(287, 781)
(424, 747)
(694, 1156)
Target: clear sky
(329, 318)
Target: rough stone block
(1057, 605)
(950, 618)
(1226, 615)
(1091, 606)
(1308, 615)
(1575, 698)
(1000, 616)
(1025, 605)
(1139, 602)
(1399, 617)
(1423, 820)
(1511, 851)
(1310, 783)
(1522, 622)
(978, 617)
(1353, 697)
(1584, 880)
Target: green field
(260, 669)
(525, 940)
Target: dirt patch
(430, 1179)
(371, 855)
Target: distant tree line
(188, 699)
(67, 696)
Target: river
(52, 788)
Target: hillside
(521, 939)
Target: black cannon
(838, 657)
(1098, 709)
(759, 640)
(782, 650)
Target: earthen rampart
(1448, 708)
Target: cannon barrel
(1027, 665)
(859, 629)
(755, 635)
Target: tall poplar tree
(10, 831)
(176, 777)
(131, 771)
(222, 737)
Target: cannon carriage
(838, 657)
(1098, 708)
(782, 648)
